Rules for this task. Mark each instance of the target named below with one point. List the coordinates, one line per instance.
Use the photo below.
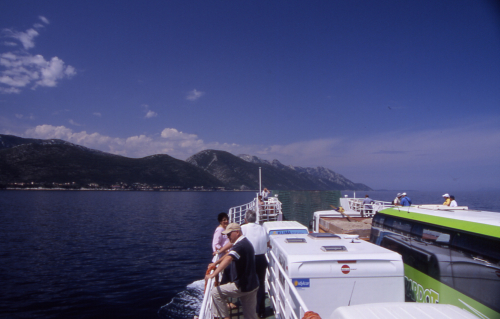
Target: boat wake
(186, 304)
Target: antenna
(350, 298)
(260, 181)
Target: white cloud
(10, 44)
(150, 114)
(26, 38)
(172, 142)
(53, 70)
(409, 159)
(8, 90)
(74, 123)
(97, 114)
(20, 69)
(194, 95)
(22, 116)
(172, 133)
(44, 19)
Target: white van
(328, 271)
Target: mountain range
(57, 162)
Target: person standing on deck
(368, 208)
(405, 200)
(453, 202)
(261, 206)
(397, 200)
(257, 235)
(447, 200)
(219, 239)
(265, 193)
(244, 282)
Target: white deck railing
(270, 210)
(365, 210)
(353, 207)
(284, 297)
(207, 306)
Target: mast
(260, 181)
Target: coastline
(123, 190)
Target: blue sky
(395, 94)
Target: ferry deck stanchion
(275, 293)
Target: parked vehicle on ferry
(450, 256)
(317, 271)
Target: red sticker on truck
(345, 269)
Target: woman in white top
(219, 239)
(397, 200)
(453, 202)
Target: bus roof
(479, 222)
(400, 310)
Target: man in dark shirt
(244, 282)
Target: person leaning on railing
(244, 282)
(259, 238)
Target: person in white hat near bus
(447, 199)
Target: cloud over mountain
(20, 68)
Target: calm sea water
(78, 254)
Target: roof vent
(333, 248)
(323, 236)
(295, 240)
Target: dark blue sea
(104, 254)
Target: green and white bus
(450, 256)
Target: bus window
(398, 244)
(398, 226)
(487, 248)
(378, 220)
(476, 268)
(430, 235)
(377, 226)
(435, 242)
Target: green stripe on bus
(473, 227)
(423, 288)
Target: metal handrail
(277, 291)
(206, 309)
(367, 210)
(237, 214)
(269, 211)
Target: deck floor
(238, 314)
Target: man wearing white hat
(405, 200)
(244, 282)
(448, 199)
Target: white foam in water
(186, 304)
(198, 284)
